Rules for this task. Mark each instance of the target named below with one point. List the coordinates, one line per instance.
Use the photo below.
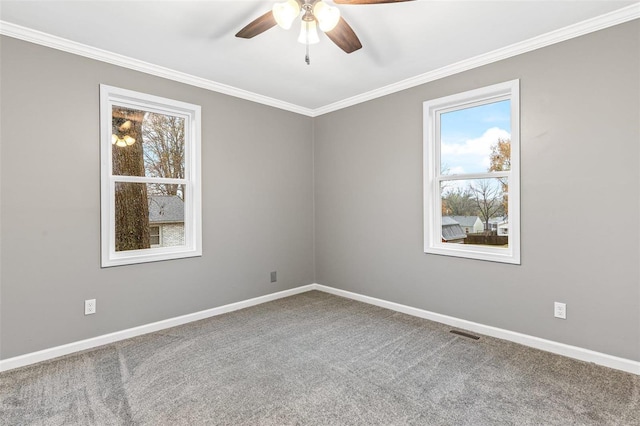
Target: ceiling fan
(314, 14)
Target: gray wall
(257, 204)
(580, 194)
(580, 202)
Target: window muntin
(150, 178)
(471, 170)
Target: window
(150, 166)
(154, 236)
(471, 174)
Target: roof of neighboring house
(465, 220)
(165, 208)
(451, 230)
(448, 220)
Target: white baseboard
(587, 355)
(47, 354)
(575, 352)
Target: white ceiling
(402, 42)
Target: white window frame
(433, 176)
(114, 96)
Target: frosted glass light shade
(285, 13)
(308, 33)
(326, 15)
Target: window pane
(475, 211)
(168, 189)
(476, 139)
(139, 208)
(147, 144)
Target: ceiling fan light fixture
(285, 13)
(120, 134)
(122, 141)
(125, 126)
(308, 33)
(327, 16)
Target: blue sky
(467, 135)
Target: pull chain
(306, 58)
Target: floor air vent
(463, 334)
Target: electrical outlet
(90, 306)
(274, 276)
(560, 310)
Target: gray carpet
(316, 359)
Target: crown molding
(607, 20)
(611, 19)
(65, 45)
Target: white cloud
(477, 146)
(472, 155)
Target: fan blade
(344, 37)
(258, 26)
(367, 1)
